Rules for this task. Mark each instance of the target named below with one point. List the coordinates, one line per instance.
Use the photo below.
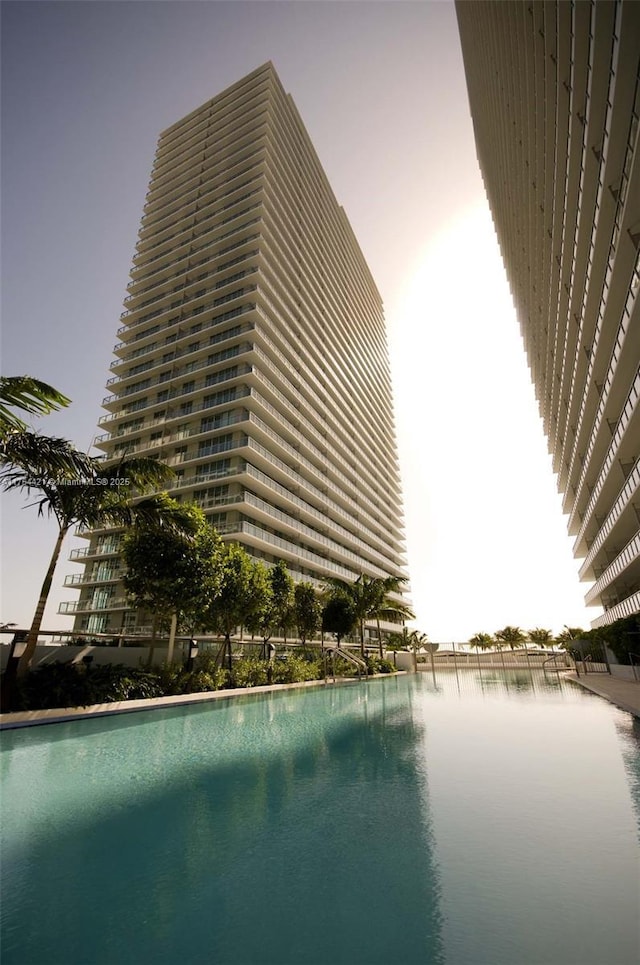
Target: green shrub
(295, 669)
(201, 681)
(342, 667)
(205, 676)
(111, 683)
(377, 665)
(72, 685)
(249, 672)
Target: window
(219, 445)
(226, 395)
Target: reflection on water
(628, 728)
(478, 819)
(263, 830)
(533, 816)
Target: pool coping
(624, 694)
(58, 715)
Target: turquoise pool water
(479, 821)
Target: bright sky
(86, 89)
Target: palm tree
(481, 641)
(390, 608)
(29, 395)
(401, 640)
(38, 457)
(370, 597)
(99, 495)
(418, 640)
(542, 638)
(511, 636)
(20, 446)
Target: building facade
(252, 355)
(554, 91)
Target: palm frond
(161, 512)
(29, 395)
(28, 458)
(141, 473)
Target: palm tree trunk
(24, 664)
(379, 638)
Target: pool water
(479, 819)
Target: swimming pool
(484, 819)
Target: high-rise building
(554, 90)
(252, 355)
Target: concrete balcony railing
(630, 554)
(236, 371)
(183, 372)
(631, 485)
(625, 417)
(175, 321)
(188, 296)
(242, 392)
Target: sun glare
(486, 539)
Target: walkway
(620, 689)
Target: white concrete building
(252, 355)
(554, 90)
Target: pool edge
(58, 715)
(614, 691)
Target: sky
(86, 89)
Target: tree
(622, 637)
(482, 641)
(29, 395)
(511, 636)
(339, 616)
(276, 614)
(401, 640)
(307, 610)
(418, 640)
(566, 636)
(99, 495)
(243, 595)
(19, 446)
(390, 609)
(370, 599)
(173, 573)
(282, 597)
(542, 638)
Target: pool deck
(621, 690)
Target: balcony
(89, 606)
(84, 579)
(86, 552)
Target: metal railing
(554, 667)
(358, 662)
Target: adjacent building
(252, 355)
(554, 90)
